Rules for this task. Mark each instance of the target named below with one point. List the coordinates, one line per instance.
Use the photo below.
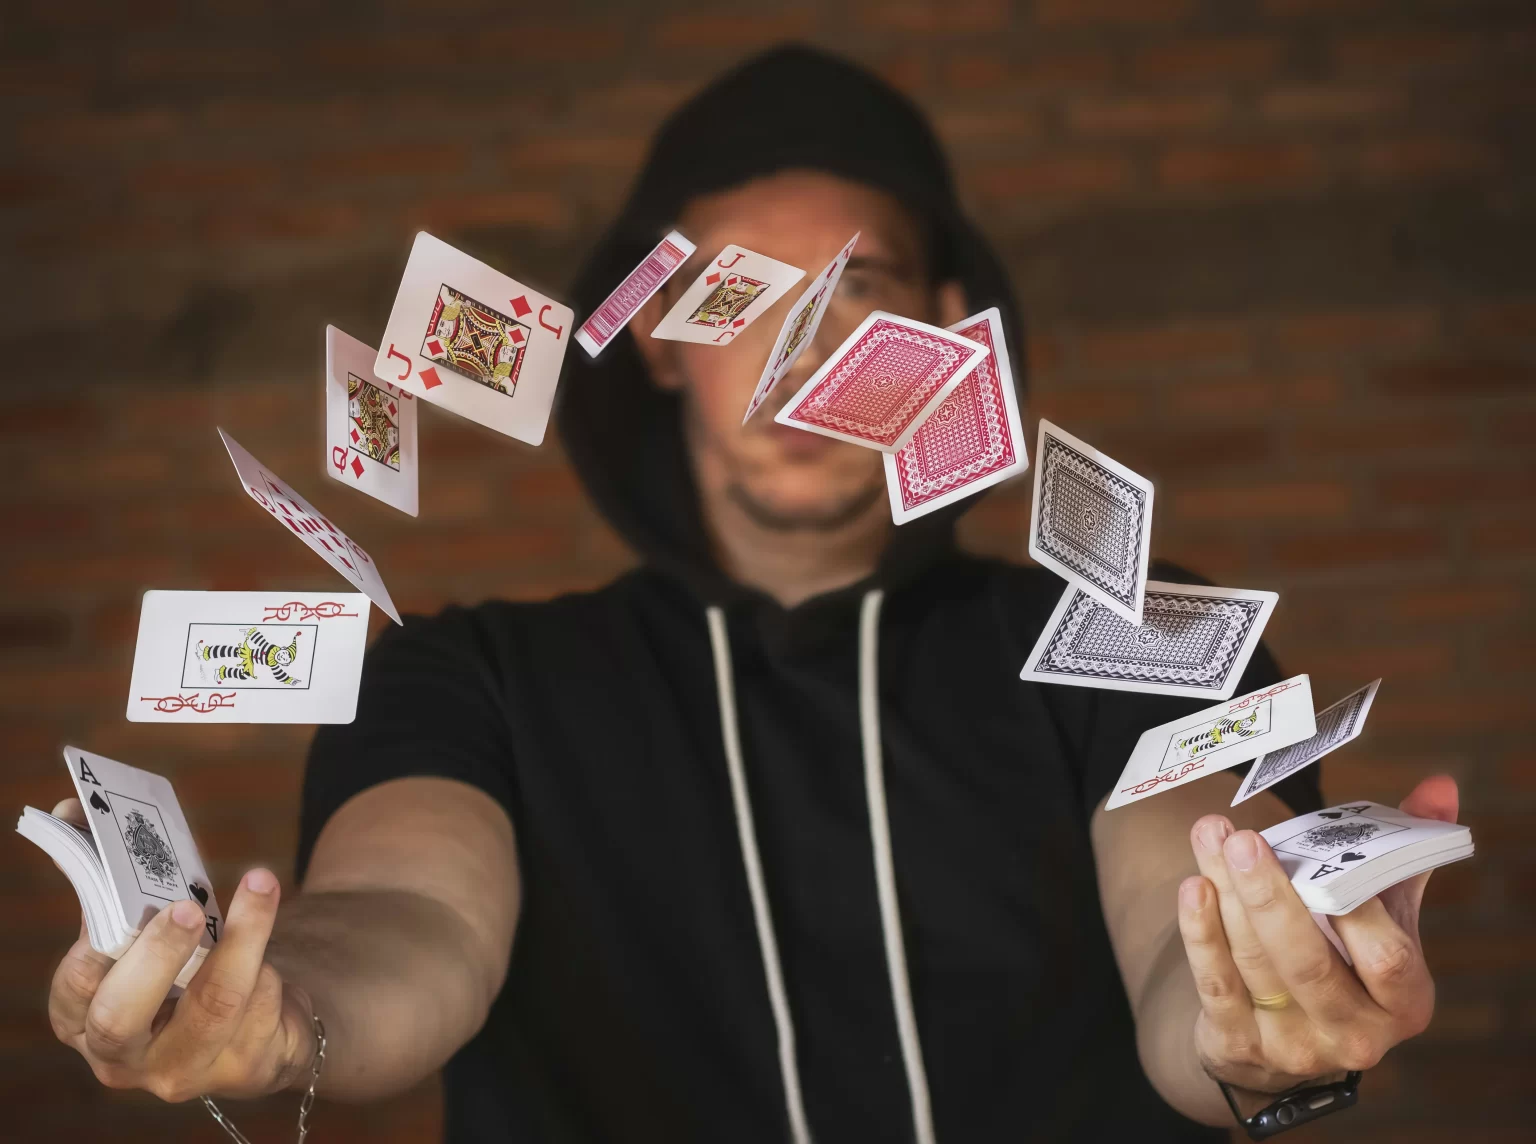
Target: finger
(210, 1012)
(74, 987)
(1208, 837)
(70, 811)
(1436, 797)
(1223, 995)
(118, 1021)
(1313, 973)
(1390, 964)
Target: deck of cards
(136, 857)
(1339, 858)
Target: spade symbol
(199, 893)
(1350, 857)
(100, 803)
(1329, 814)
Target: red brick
(742, 31)
(1292, 500)
(1491, 539)
(1167, 343)
(1246, 167)
(491, 208)
(1502, 319)
(979, 71)
(1467, 1021)
(1081, 407)
(30, 420)
(933, 18)
(1098, 13)
(1323, 105)
(1046, 71)
(233, 224)
(1427, 158)
(1150, 116)
(560, 153)
(1399, 328)
(1455, 600)
(1054, 177)
(205, 176)
(1208, 62)
(1403, 53)
(390, 161)
(18, 188)
(1308, 8)
(1461, 486)
(1251, 399)
(33, 631)
(1443, 378)
(1460, 713)
(1358, 548)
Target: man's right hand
(238, 1030)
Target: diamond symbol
(355, 437)
(430, 379)
(435, 346)
(517, 336)
(520, 306)
(712, 279)
(391, 408)
(739, 322)
(357, 468)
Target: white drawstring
(885, 874)
(885, 870)
(799, 1131)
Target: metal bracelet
(305, 1105)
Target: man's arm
(399, 941)
(1142, 852)
(1202, 919)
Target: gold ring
(1274, 1001)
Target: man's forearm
(397, 978)
(1165, 1040)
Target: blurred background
(1275, 254)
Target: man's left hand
(1248, 935)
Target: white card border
(1066, 572)
(993, 316)
(1245, 792)
(346, 354)
(978, 353)
(1267, 599)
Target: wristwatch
(1296, 1106)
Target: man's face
(781, 477)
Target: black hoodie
(702, 953)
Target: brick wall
(1276, 255)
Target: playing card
(470, 339)
(1231, 732)
(248, 657)
(877, 388)
(731, 293)
(632, 293)
(800, 326)
(1091, 521)
(143, 840)
(972, 441)
(1335, 726)
(287, 507)
(1336, 858)
(1192, 640)
(370, 426)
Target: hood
(771, 113)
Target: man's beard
(812, 520)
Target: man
(785, 844)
